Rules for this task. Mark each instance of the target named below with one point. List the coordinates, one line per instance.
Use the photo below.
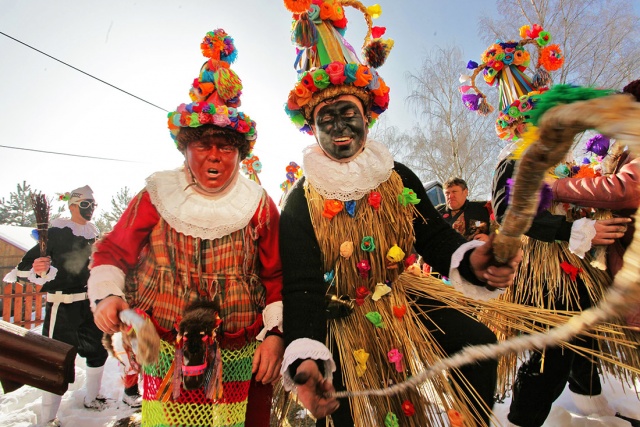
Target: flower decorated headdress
(328, 66)
(505, 63)
(215, 93)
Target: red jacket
(618, 192)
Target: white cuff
(305, 348)
(11, 277)
(41, 280)
(105, 280)
(272, 318)
(471, 290)
(582, 233)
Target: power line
(68, 154)
(83, 72)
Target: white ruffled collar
(350, 180)
(88, 230)
(197, 215)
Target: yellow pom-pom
(374, 11)
(528, 137)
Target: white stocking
(94, 380)
(50, 405)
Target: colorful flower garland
(215, 93)
(311, 13)
(337, 74)
(506, 62)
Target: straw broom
(41, 211)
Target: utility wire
(83, 72)
(67, 154)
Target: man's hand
(608, 230)
(106, 314)
(268, 359)
(41, 265)
(487, 269)
(313, 390)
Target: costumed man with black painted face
(199, 234)
(64, 274)
(345, 227)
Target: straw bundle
(41, 211)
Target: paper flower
(361, 294)
(399, 312)
(391, 420)
(562, 171)
(570, 269)
(471, 101)
(455, 418)
(380, 291)
(328, 277)
(408, 196)
(410, 260)
(350, 207)
(395, 357)
(374, 11)
(363, 268)
(361, 357)
(375, 318)
(395, 254)
(332, 208)
(598, 145)
(374, 199)
(367, 244)
(408, 408)
(346, 249)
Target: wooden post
(32, 359)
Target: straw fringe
(390, 224)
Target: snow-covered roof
(19, 237)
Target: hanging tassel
(304, 33)
(484, 108)
(377, 51)
(214, 390)
(176, 383)
(541, 78)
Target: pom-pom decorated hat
(215, 93)
(505, 64)
(328, 66)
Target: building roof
(19, 237)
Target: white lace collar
(88, 230)
(197, 215)
(351, 180)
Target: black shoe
(633, 421)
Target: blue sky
(150, 48)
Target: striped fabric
(177, 269)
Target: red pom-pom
(377, 32)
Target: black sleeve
(303, 286)
(436, 241)
(545, 227)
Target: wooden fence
(22, 304)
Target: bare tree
(450, 141)
(599, 38)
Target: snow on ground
(21, 408)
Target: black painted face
(86, 208)
(340, 128)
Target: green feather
(562, 94)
